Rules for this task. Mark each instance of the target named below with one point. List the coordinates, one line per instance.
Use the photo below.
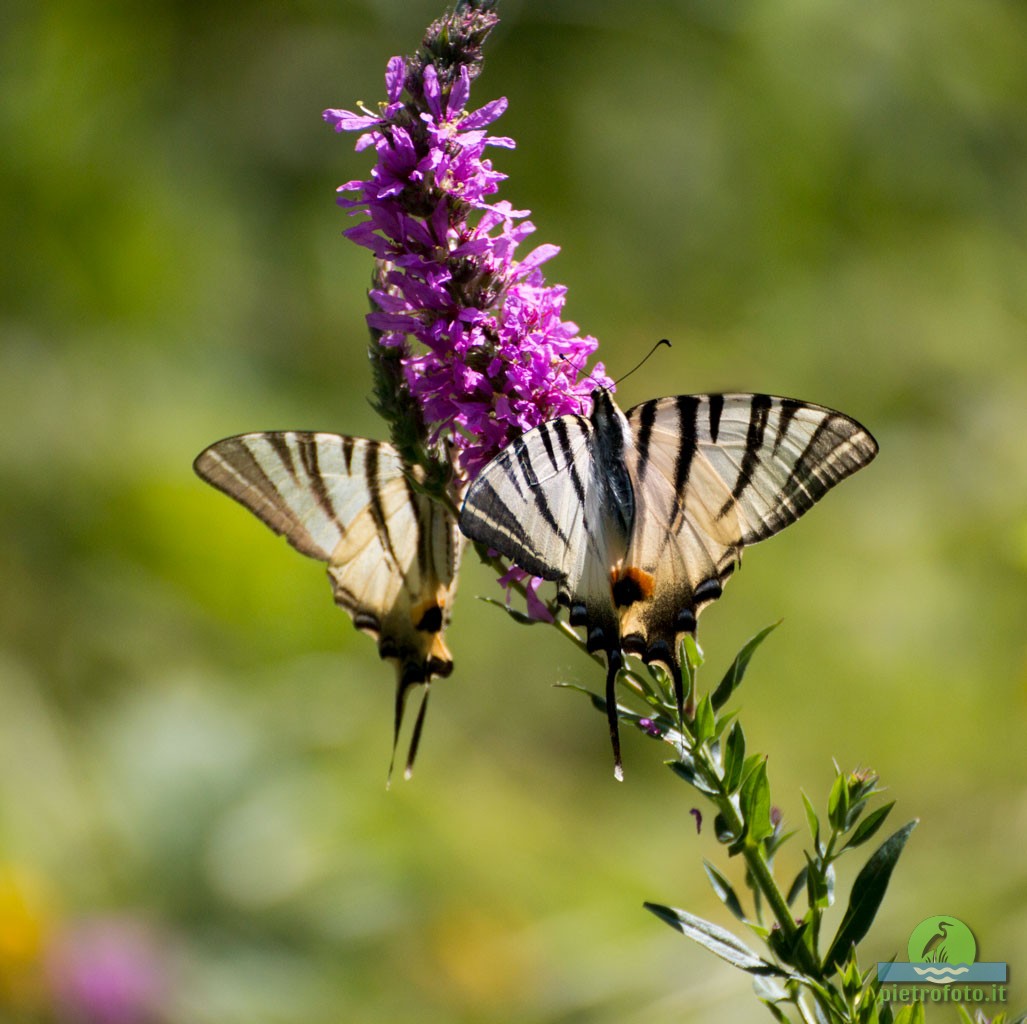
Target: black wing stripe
(375, 506)
(347, 453)
(490, 522)
(547, 443)
(564, 437)
(716, 409)
(308, 456)
(760, 410)
(424, 536)
(538, 494)
(280, 444)
(789, 407)
(646, 419)
(688, 414)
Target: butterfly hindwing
(391, 552)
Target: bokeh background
(824, 200)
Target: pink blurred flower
(108, 971)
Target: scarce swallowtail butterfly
(641, 518)
(392, 552)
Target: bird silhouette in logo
(935, 942)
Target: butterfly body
(641, 518)
(391, 552)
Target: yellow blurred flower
(26, 918)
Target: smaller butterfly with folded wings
(392, 552)
(641, 518)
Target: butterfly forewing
(713, 473)
(533, 501)
(747, 464)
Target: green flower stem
(755, 859)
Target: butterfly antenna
(614, 661)
(415, 740)
(643, 361)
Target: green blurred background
(820, 199)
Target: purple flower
(108, 971)
(492, 355)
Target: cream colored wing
(711, 474)
(392, 553)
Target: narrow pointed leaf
(705, 721)
(912, 1014)
(868, 826)
(769, 989)
(799, 885)
(755, 801)
(722, 887)
(734, 758)
(733, 677)
(685, 769)
(867, 893)
(813, 821)
(716, 939)
(838, 803)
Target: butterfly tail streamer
(614, 663)
(415, 739)
(403, 686)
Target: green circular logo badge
(942, 940)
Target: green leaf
(705, 721)
(717, 940)
(852, 981)
(812, 821)
(685, 769)
(769, 991)
(733, 677)
(723, 721)
(725, 833)
(734, 758)
(838, 803)
(799, 885)
(867, 893)
(693, 653)
(913, 1014)
(819, 883)
(869, 826)
(755, 804)
(776, 1012)
(722, 887)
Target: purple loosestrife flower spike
(468, 341)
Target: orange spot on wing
(629, 585)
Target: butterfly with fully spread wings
(641, 518)
(392, 552)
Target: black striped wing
(392, 553)
(711, 474)
(542, 503)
